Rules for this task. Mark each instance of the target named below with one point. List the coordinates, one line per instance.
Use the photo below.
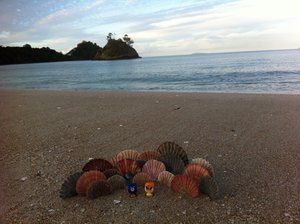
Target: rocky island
(86, 50)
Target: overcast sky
(158, 27)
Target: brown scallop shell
(149, 154)
(173, 163)
(209, 186)
(117, 182)
(154, 168)
(128, 166)
(98, 188)
(128, 154)
(185, 184)
(166, 178)
(68, 188)
(97, 164)
(204, 163)
(173, 148)
(114, 160)
(86, 178)
(111, 172)
(195, 171)
(141, 178)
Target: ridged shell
(204, 163)
(86, 178)
(128, 154)
(128, 166)
(154, 168)
(173, 148)
(114, 160)
(209, 186)
(173, 163)
(97, 164)
(111, 172)
(185, 184)
(141, 178)
(68, 188)
(98, 188)
(149, 154)
(195, 171)
(117, 182)
(166, 178)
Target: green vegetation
(86, 50)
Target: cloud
(4, 34)
(161, 27)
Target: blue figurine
(132, 189)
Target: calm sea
(254, 72)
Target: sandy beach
(252, 140)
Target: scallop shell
(111, 172)
(97, 164)
(117, 182)
(98, 188)
(173, 163)
(128, 154)
(114, 160)
(173, 148)
(68, 188)
(204, 163)
(195, 171)
(185, 184)
(128, 166)
(154, 168)
(149, 154)
(86, 178)
(209, 186)
(141, 178)
(166, 178)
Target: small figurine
(132, 189)
(149, 189)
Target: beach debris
(68, 188)
(128, 154)
(166, 178)
(24, 179)
(168, 164)
(121, 125)
(149, 154)
(97, 164)
(86, 179)
(186, 142)
(141, 178)
(117, 202)
(209, 186)
(204, 163)
(154, 168)
(111, 172)
(51, 211)
(58, 108)
(117, 182)
(98, 128)
(98, 188)
(173, 148)
(173, 163)
(185, 184)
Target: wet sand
(252, 140)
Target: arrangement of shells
(168, 164)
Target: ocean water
(243, 72)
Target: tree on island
(128, 40)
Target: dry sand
(253, 142)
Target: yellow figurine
(149, 189)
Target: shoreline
(251, 140)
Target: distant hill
(116, 50)
(27, 54)
(85, 50)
